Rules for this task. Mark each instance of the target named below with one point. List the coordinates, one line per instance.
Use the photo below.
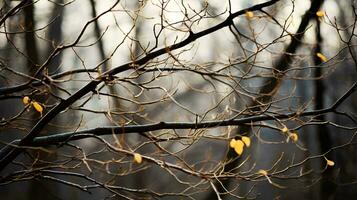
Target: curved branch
(9, 153)
(64, 137)
(191, 38)
(13, 11)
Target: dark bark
(327, 187)
(9, 153)
(13, 10)
(97, 33)
(54, 139)
(31, 47)
(55, 35)
(32, 61)
(271, 86)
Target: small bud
(285, 129)
(249, 14)
(233, 143)
(246, 141)
(37, 107)
(26, 100)
(320, 13)
(322, 57)
(263, 172)
(294, 137)
(238, 147)
(329, 162)
(138, 158)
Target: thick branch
(9, 153)
(63, 137)
(271, 85)
(191, 38)
(13, 11)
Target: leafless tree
(169, 99)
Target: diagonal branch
(64, 137)
(13, 11)
(271, 85)
(191, 38)
(9, 153)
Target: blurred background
(285, 57)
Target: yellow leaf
(285, 129)
(322, 57)
(233, 143)
(246, 140)
(294, 137)
(37, 107)
(26, 100)
(137, 158)
(320, 13)
(238, 147)
(263, 172)
(249, 14)
(330, 162)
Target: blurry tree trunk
(138, 180)
(55, 35)
(32, 60)
(31, 49)
(270, 87)
(97, 33)
(102, 55)
(327, 187)
(9, 28)
(4, 7)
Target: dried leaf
(37, 107)
(238, 147)
(285, 129)
(294, 137)
(322, 57)
(233, 143)
(138, 158)
(26, 100)
(330, 162)
(246, 140)
(249, 14)
(320, 13)
(263, 172)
